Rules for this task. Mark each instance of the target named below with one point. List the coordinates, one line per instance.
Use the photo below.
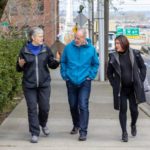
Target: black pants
(37, 100)
(127, 93)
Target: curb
(145, 108)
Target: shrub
(10, 80)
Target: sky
(139, 5)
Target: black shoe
(125, 137)
(133, 130)
(82, 137)
(74, 130)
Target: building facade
(29, 13)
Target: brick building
(30, 13)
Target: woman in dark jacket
(126, 72)
(34, 61)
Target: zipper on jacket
(77, 75)
(119, 94)
(37, 71)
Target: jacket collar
(116, 56)
(26, 50)
(131, 55)
(86, 44)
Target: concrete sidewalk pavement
(104, 129)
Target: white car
(111, 42)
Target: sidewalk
(104, 129)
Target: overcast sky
(139, 5)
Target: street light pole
(101, 41)
(91, 20)
(92, 1)
(106, 30)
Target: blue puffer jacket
(79, 63)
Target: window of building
(13, 11)
(12, 8)
(40, 7)
(26, 8)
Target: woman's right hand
(21, 62)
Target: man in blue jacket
(79, 66)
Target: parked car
(111, 42)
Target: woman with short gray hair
(35, 59)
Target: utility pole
(69, 16)
(91, 20)
(106, 30)
(57, 18)
(101, 39)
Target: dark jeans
(78, 97)
(37, 100)
(127, 93)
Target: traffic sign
(75, 29)
(132, 31)
(81, 19)
(119, 31)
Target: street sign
(81, 19)
(119, 31)
(132, 31)
(75, 29)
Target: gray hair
(34, 31)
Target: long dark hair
(124, 42)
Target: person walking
(79, 66)
(126, 72)
(35, 59)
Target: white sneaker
(34, 139)
(45, 130)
